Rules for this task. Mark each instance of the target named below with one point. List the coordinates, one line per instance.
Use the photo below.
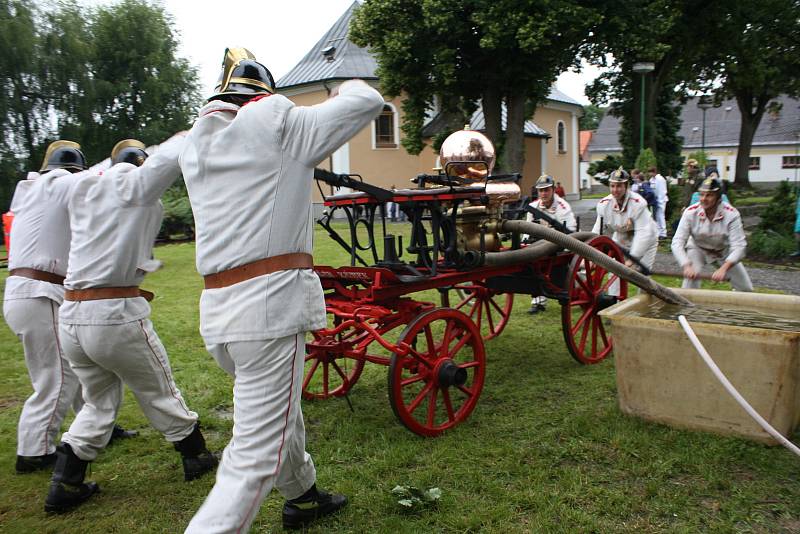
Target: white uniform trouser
(268, 444)
(737, 274)
(659, 212)
(55, 386)
(647, 259)
(105, 356)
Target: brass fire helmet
(468, 155)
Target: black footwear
(310, 506)
(30, 464)
(534, 309)
(67, 488)
(121, 433)
(196, 458)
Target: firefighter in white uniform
(105, 330)
(711, 231)
(625, 213)
(33, 293)
(557, 208)
(248, 166)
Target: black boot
(197, 460)
(121, 433)
(310, 506)
(67, 489)
(29, 464)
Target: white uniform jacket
(659, 184)
(115, 218)
(249, 174)
(40, 233)
(559, 209)
(631, 223)
(721, 238)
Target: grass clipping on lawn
(546, 449)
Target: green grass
(752, 201)
(546, 450)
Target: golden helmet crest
(243, 75)
(63, 155)
(128, 151)
(468, 154)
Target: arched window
(562, 138)
(386, 128)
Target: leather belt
(282, 262)
(36, 274)
(103, 293)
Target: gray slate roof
(478, 122)
(351, 61)
(722, 127)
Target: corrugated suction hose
(555, 241)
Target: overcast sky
(279, 33)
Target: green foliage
(645, 160)
(605, 165)
(673, 212)
(414, 498)
(779, 215)
(592, 115)
(178, 218)
(770, 245)
(93, 75)
(701, 157)
(459, 54)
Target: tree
(761, 63)
(592, 115)
(91, 75)
(665, 33)
(459, 53)
(22, 103)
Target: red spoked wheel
(436, 386)
(333, 363)
(488, 309)
(591, 288)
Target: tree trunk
(514, 154)
(492, 109)
(751, 108)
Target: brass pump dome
(468, 154)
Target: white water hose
(732, 390)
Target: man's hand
(689, 272)
(720, 274)
(628, 263)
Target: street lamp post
(642, 67)
(704, 103)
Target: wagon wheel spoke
(412, 380)
(586, 313)
(325, 377)
(420, 397)
(496, 306)
(340, 372)
(310, 373)
(448, 405)
(489, 316)
(466, 391)
(432, 407)
(602, 330)
(461, 342)
(611, 280)
(584, 335)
